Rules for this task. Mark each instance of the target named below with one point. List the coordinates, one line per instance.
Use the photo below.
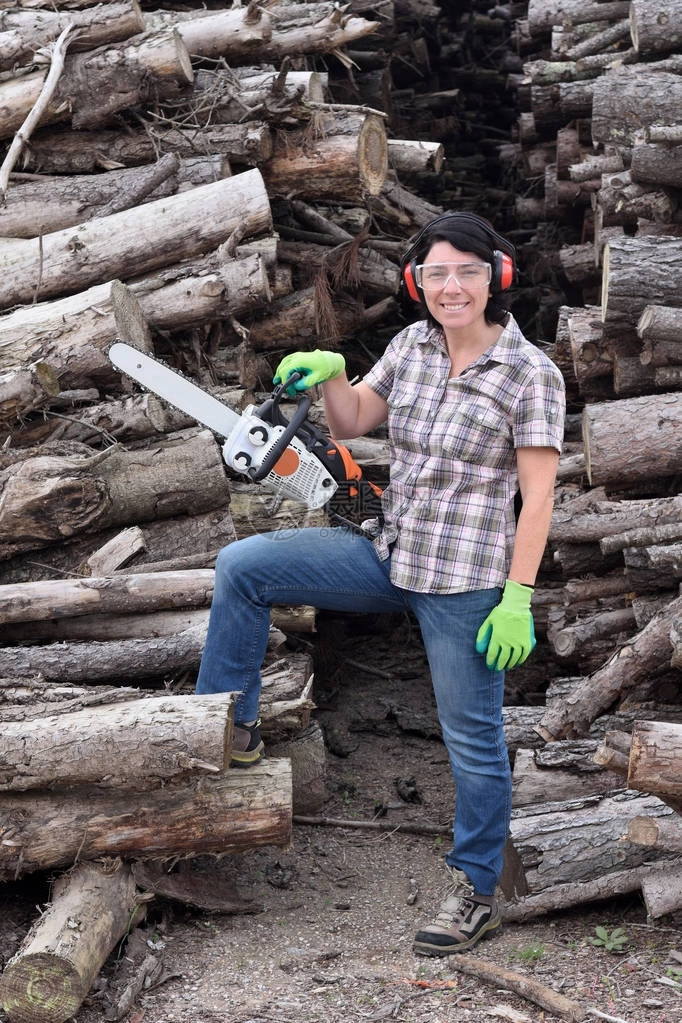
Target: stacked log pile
(598, 136)
(148, 154)
(220, 187)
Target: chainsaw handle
(282, 442)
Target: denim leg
(334, 569)
(469, 699)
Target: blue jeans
(337, 569)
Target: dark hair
(469, 233)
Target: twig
(340, 822)
(33, 119)
(529, 989)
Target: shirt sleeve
(541, 411)
(380, 377)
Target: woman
(475, 413)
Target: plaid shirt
(449, 507)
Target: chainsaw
(288, 457)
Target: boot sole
(424, 948)
(247, 759)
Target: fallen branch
(529, 989)
(33, 119)
(341, 822)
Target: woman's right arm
(352, 410)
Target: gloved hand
(316, 367)
(507, 636)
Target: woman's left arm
(537, 469)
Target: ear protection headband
(504, 266)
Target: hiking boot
(462, 920)
(247, 745)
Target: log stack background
(226, 185)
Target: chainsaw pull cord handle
(270, 412)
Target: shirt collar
(505, 349)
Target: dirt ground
(337, 911)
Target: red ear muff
(410, 282)
(503, 273)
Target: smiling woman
(474, 413)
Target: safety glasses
(435, 276)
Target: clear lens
(435, 276)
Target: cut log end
(544, 733)
(41, 987)
(373, 155)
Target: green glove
(316, 367)
(507, 636)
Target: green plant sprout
(611, 941)
(674, 973)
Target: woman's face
(455, 285)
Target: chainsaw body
(288, 457)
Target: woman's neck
(465, 348)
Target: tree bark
(567, 775)
(127, 659)
(70, 335)
(91, 909)
(661, 834)
(655, 26)
(132, 418)
(582, 839)
(37, 205)
(228, 813)
(662, 891)
(285, 697)
(655, 163)
(627, 100)
(543, 14)
(87, 152)
(626, 291)
(608, 518)
(119, 245)
(646, 536)
(631, 378)
(406, 156)
(236, 35)
(633, 438)
(46, 499)
(657, 567)
(23, 390)
(591, 358)
(24, 32)
(563, 896)
(99, 83)
(145, 742)
(165, 542)
(235, 288)
(347, 159)
(229, 97)
(105, 628)
(656, 758)
(297, 317)
(307, 755)
(253, 510)
(313, 28)
(576, 639)
(660, 329)
(644, 655)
